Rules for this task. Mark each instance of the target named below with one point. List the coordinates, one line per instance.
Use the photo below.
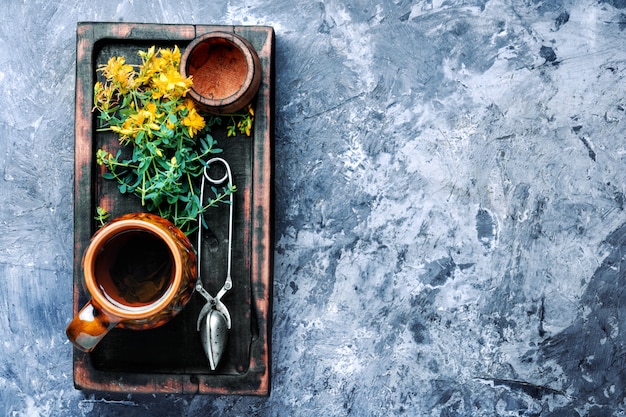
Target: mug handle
(89, 326)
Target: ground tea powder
(222, 74)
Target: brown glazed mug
(140, 271)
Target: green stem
(143, 189)
(191, 190)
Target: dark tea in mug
(134, 268)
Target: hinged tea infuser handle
(214, 318)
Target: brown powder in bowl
(218, 70)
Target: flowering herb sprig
(169, 140)
(241, 122)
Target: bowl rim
(244, 47)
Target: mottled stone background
(450, 223)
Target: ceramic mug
(140, 271)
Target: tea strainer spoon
(214, 319)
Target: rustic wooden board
(170, 359)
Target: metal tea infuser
(214, 319)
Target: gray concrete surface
(450, 223)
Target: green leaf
(140, 137)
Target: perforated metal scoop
(214, 319)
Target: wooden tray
(170, 359)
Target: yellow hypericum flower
(194, 122)
(147, 71)
(103, 96)
(186, 106)
(146, 121)
(117, 71)
(147, 55)
(245, 125)
(151, 67)
(125, 131)
(142, 120)
(115, 65)
(139, 118)
(171, 56)
(152, 109)
(171, 84)
(103, 157)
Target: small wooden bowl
(226, 72)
